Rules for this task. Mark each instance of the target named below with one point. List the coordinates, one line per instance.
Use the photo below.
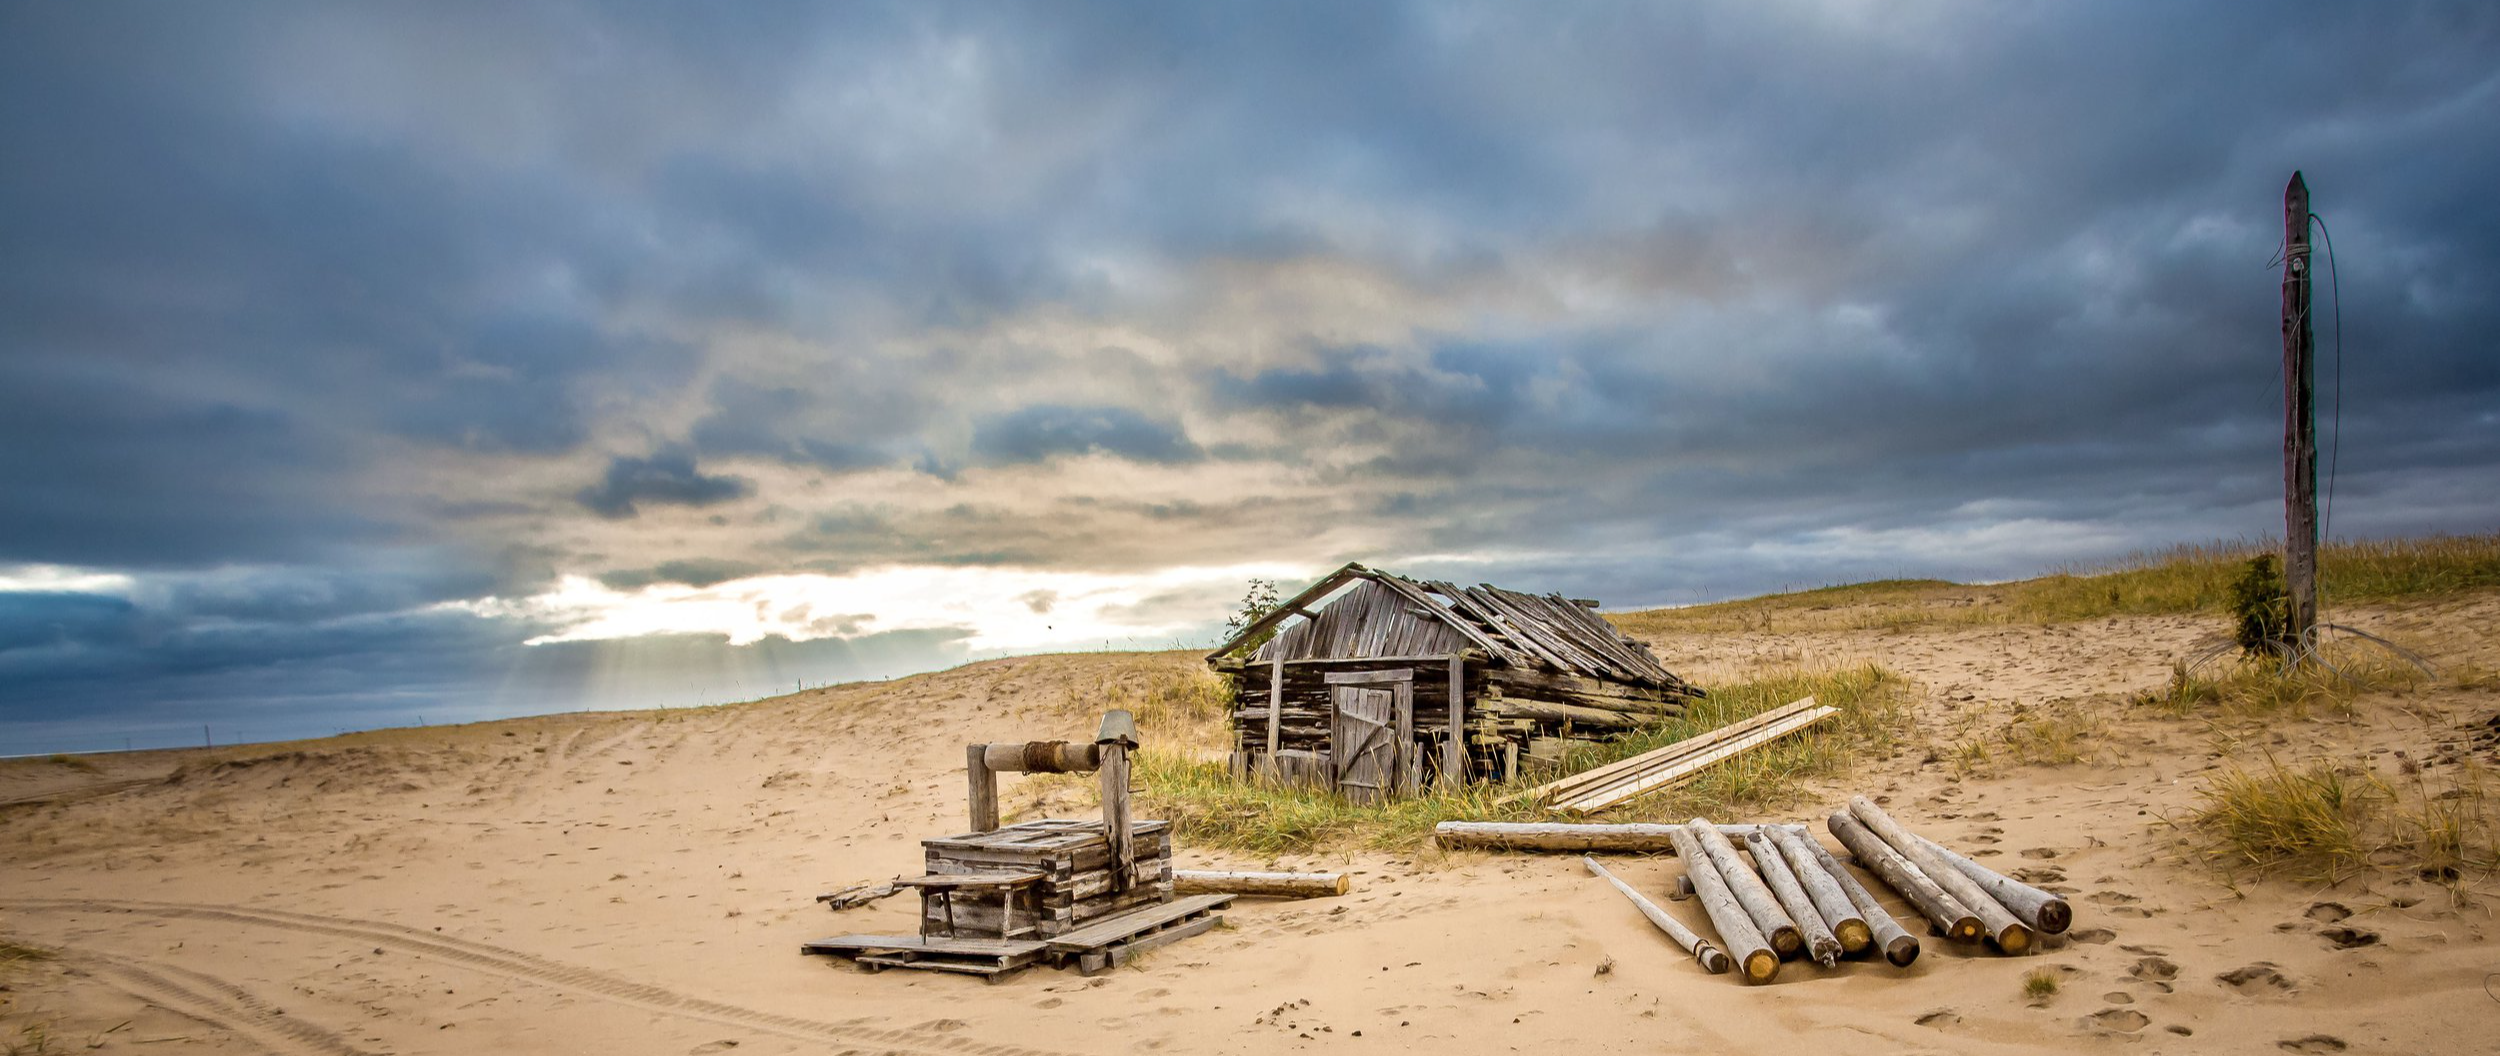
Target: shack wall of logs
(1510, 720)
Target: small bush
(2040, 984)
(2261, 609)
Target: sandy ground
(640, 884)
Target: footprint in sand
(705, 1049)
(1049, 1002)
(1939, 1018)
(2259, 979)
(2038, 852)
(2313, 1045)
(2091, 936)
(2154, 969)
(2344, 938)
(2327, 912)
(2117, 1021)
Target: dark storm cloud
(667, 478)
(314, 317)
(1035, 433)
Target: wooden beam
(1454, 747)
(1275, 705)
(1290, 607)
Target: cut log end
(2055, 916)
(1901, 951)
(1761, 966)
(1714, 960)
(1854, 935)
(1786, 941)
(2013, 940)
(1965, 930)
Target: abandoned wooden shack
(1373, 683)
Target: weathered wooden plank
(1687, 767)
(1592, 779)
(1113, 928)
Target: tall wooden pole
(2300, 441)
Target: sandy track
(229, 1005)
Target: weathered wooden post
(983, 795)
(1117, 737)
(2300, 442)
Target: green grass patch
(1209, 807)
(2183, 579)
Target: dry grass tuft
(2324, 824)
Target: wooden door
(1370, 733)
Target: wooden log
(1759, 903)
(2042, 911)
(1948, 915)
(1264, 885)
(1558, 712)
(2009, 934)
(1821, 944)
(1754, 956)
(1899, 946)
(1830, 903)
(1565, 837)
(1040, 757)
(1705, 954)
(1454, 747)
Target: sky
(363, 365)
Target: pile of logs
(1965, 900)
(1783, 896)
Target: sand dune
(639, 882)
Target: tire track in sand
(514, 964)
(216, 1002)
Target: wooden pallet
(1108, 943)
(1098, 947)
(989, 958)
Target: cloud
(666, 478)
(1035, 433)
(301, 334)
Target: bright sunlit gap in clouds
(997, 609)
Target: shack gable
(1392, 615)
(1368, 621)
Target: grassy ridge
(2182, 579)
